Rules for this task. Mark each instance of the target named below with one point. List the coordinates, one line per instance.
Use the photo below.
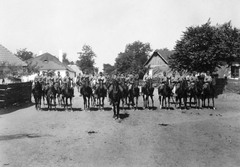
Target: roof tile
(9, 57)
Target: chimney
(60, 55)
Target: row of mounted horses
(52, 94)
(184, 91)
(121, 93)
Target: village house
(8, 62)
(158, 63)
(47, 62)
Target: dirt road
(143, 138)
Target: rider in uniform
(78, 80)
(174, 82)
(36, 79)
(164, 78)
(181, 77)
(193, 79)
(58, 80)
(207, 79)
(49, 80)
(44, 79)
(101, 78)
(68, 79)
(130, 80)
(146, 78)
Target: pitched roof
(9, 57)
(47, 61)
(155, 54)
(163, 54)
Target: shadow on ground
(124, 116)
(20, 136)
(61, 109)
(15, 107)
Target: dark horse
(115, 98)
(86, 91)
(51, 96)
(164, 94)
(37, 94)
(133, 94)
(124, 93)
(147, 91)
(207, 93)
(101, 93)
(182, 93)
(67, 93)
(195, 91)
(58, 93)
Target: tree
(86, 60)
(23, 54)
(108, 69)
(133, 58)
(165, 52)
(65, 59)
(205, 47)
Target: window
(234, 71)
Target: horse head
(100, 83)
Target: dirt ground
(195, 138)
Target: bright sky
(106, 25)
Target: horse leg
(213, 103)
(103, 102)
(168, 102)
(48, 103)
(89, 103)
(36, 103)
(66, 103)
(176, 101)
(71, 104)
(136, 103)
(180, 103)
(132, 102)
(185, 102)
(122, 102)
(208, 102)
(160, 101)
(114, 110)
(117, 110)
(55, 104)
(190, 101)
(152, 102)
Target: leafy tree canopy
(86, 60)
(133, 58)
(206, 47)
(108, 69)
(24, 54)
(65, 60)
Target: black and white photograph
(119, 83)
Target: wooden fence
(15, 93)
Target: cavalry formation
(125, 89)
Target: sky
(105, 25)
